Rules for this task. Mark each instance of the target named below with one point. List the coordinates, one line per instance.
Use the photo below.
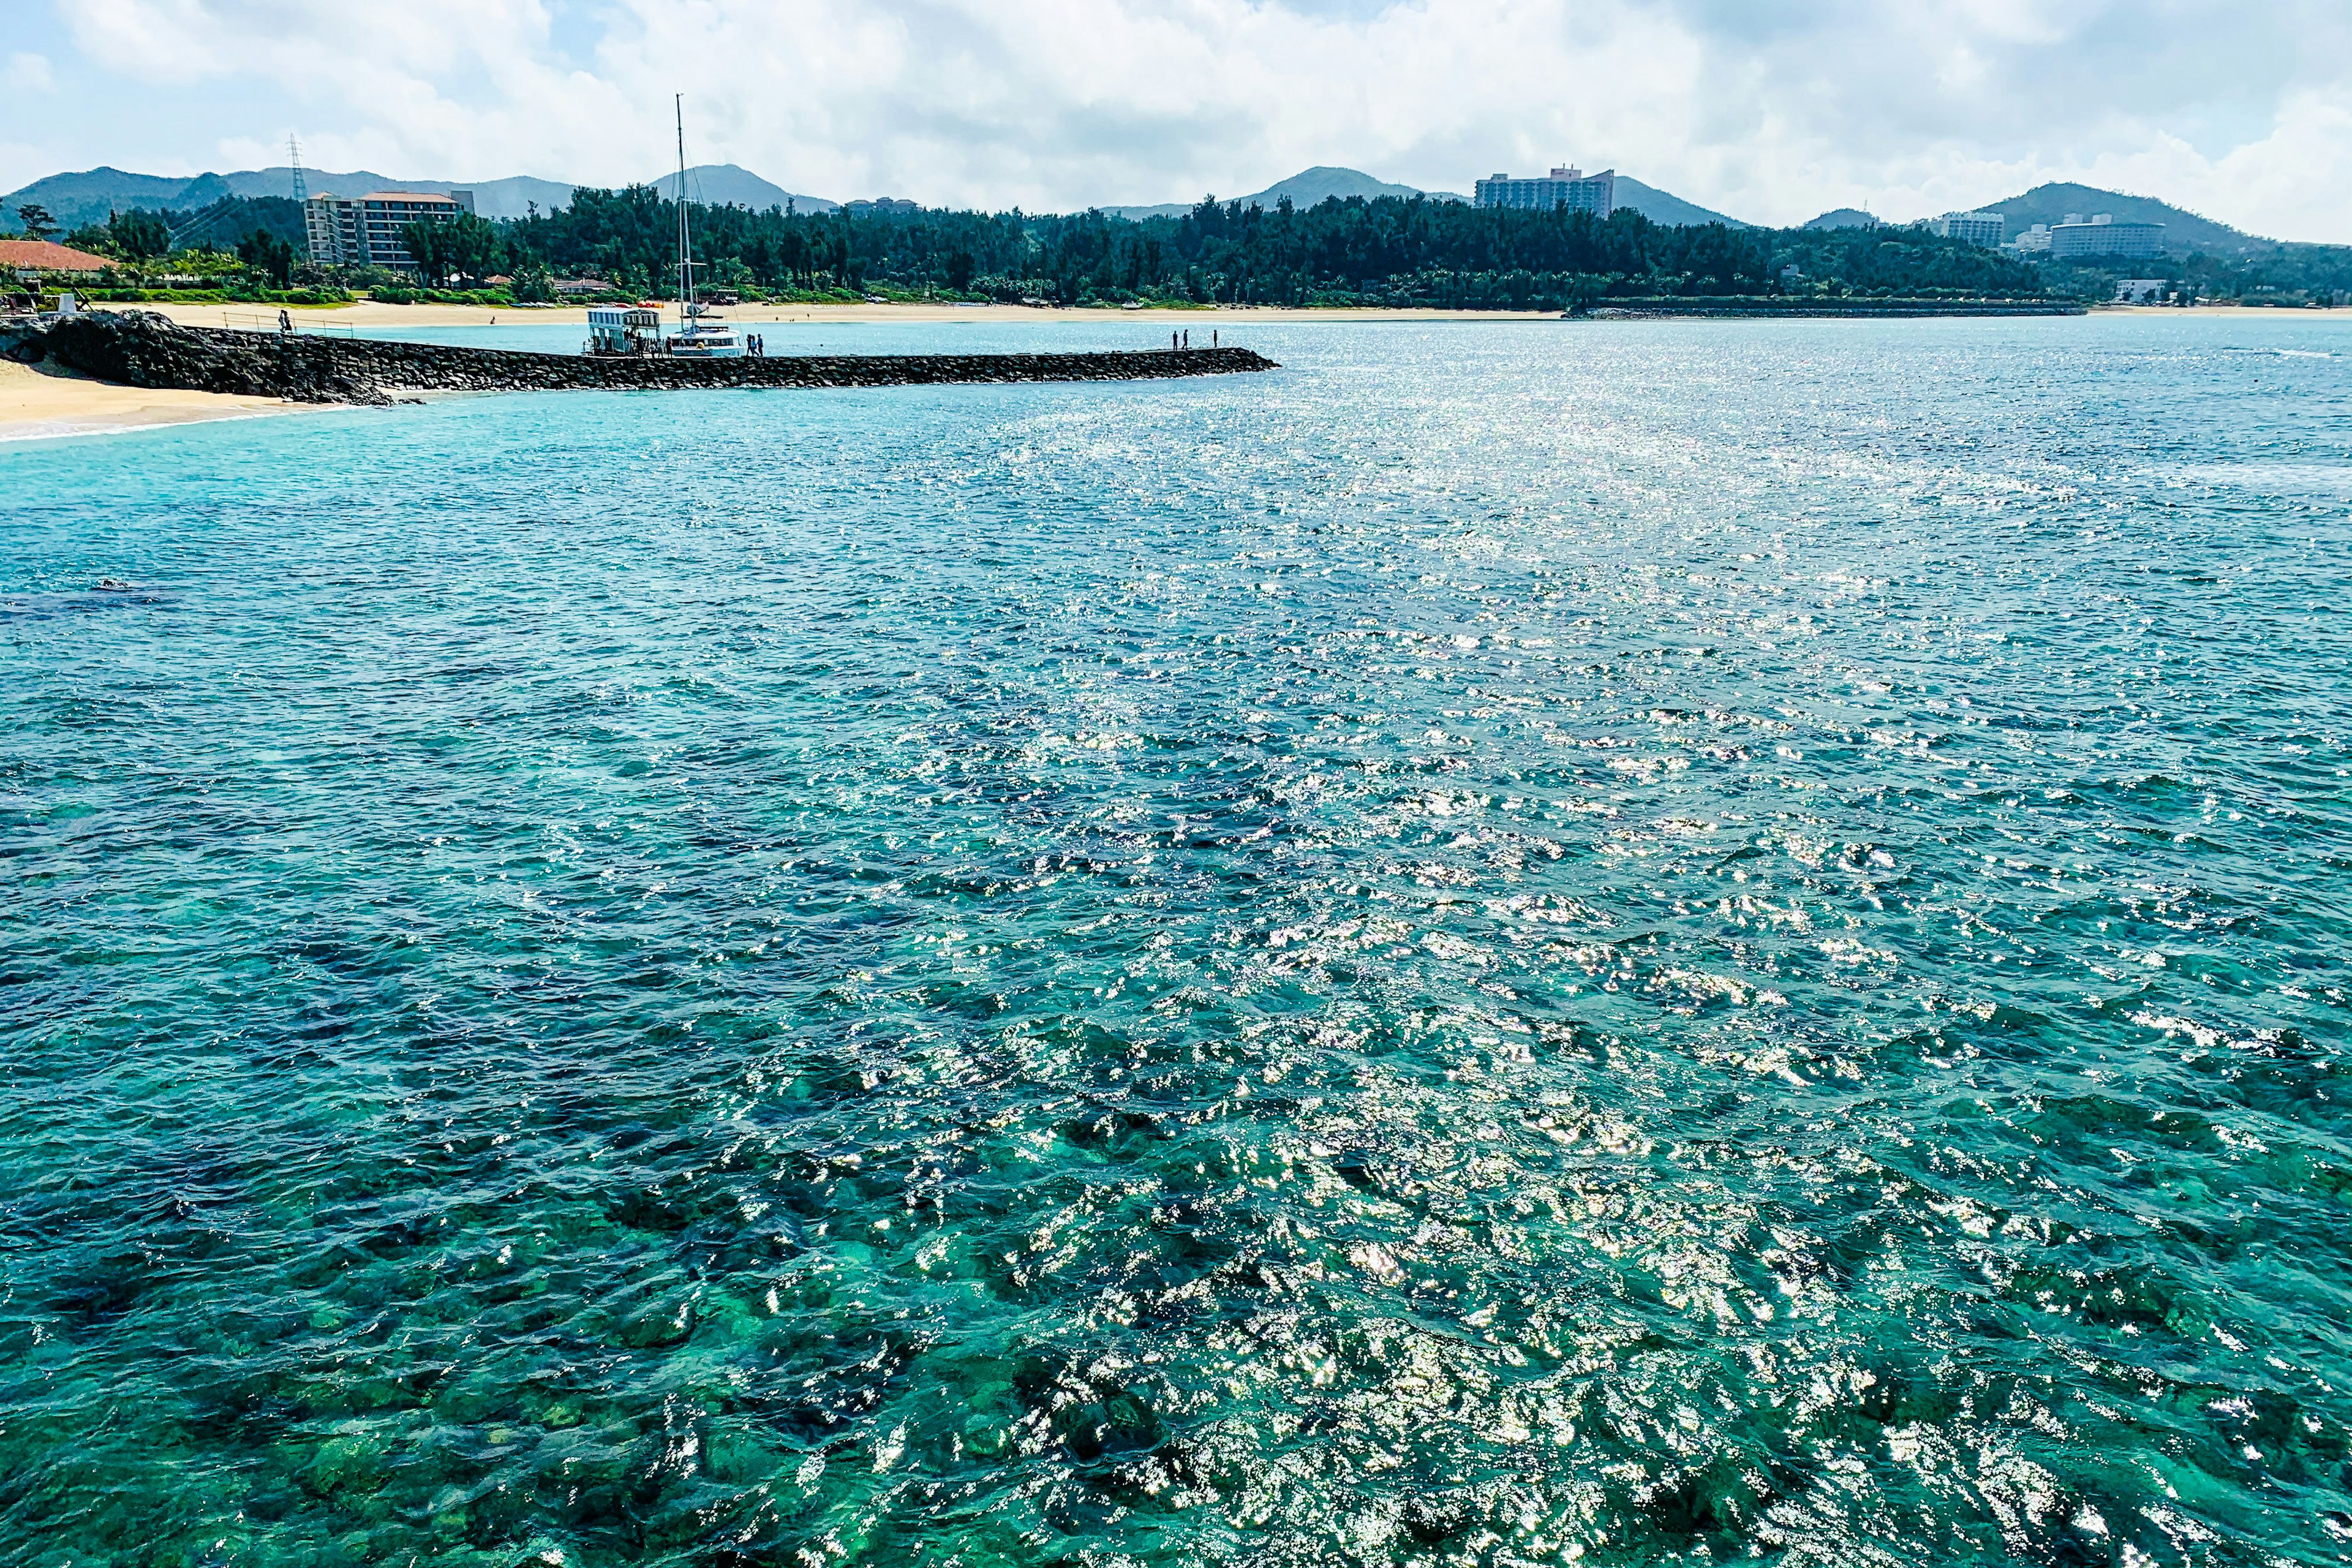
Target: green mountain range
(1306, 188)
(2184, 231)
(1324, 182)
(731, 185)
(88, 196)
(1664, 207)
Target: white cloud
(2293, 184)
(1768, 109)
(28, 73)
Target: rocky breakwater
(141, 349)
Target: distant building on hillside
(2141, 290)
(1974, 228)
(2103, 235)
(2034, 241)
(1571, 188)
(882, 204)
(365, 231)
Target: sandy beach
(2266, 312)
(40, 402)
(37, 402)
(368, 314)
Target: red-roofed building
(41, 256)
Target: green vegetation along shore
(1386, 252)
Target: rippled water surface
(1516, 944)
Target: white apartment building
(1571, 188)
(1975, 229)
(365, 231)
(2103, 235)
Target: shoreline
(42, 402)
(49, 401)
(368, 314)
(2198, 312)
(255, 370)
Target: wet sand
(38, 402)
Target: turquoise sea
(1522, 944)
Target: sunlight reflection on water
(1520, 943)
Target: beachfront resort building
(1983, 228)
(1573, 189)
(26, 257)
(365, 231)
(2103, 235)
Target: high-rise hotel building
(1571, 188)
(1982, 228)
(365, 231)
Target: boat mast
(685, 239)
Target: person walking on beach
(1188, 337)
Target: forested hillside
(1386, 251)
(1389, 252)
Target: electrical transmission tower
(294, 151)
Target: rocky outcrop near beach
(139, 348)
(143, 349)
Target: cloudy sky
(1770, 110)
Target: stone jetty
(137, 348)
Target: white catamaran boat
(701, 333)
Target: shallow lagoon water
(1522, 944)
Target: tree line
(265, 234)
(1390, 251)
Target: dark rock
(141, 349)
(20, 338)
(138, 348)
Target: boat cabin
(624, 329)
(703, 336)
